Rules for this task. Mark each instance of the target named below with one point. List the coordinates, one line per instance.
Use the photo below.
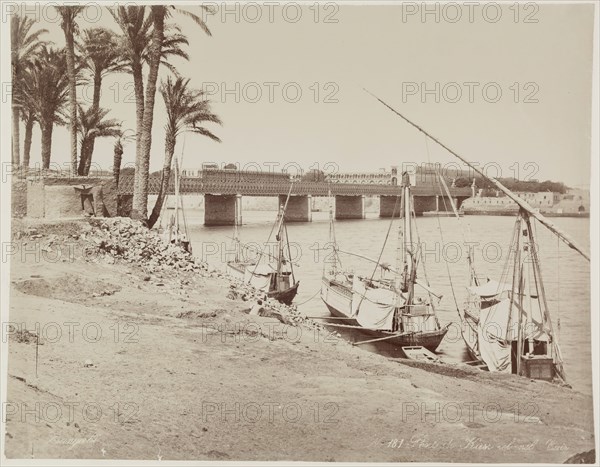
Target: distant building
(541, 200)
(382, 177)
(426, 174)
(574, 202)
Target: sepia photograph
(299, 232)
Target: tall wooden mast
(408, 239)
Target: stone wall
(489, 205)
(19, 198)
(58, 198)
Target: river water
(566, 274)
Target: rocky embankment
(124, 347)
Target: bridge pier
(222, 209)
(298, 208)
(387, 204)
(425, 204)
(442, 203)
(350, 207)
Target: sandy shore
(136, 367)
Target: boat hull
(285, 296)
(430, 339)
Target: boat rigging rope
(440, 229)
(507, 263)
(443, 243)
(306, 301)
(332, 236)
(380, 254)
(262, 251)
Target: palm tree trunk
(16, 136)
(117, 158)
(165, 177)
(138, 87)
(27, 144)
(47, 128)
(85, 146)
(142, 166)
(88, 157)
(16, 130)
(89, 151)
(97, 88)
(72, 95)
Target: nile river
(566, 274)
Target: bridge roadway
(223, 196)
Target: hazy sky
(539, 59)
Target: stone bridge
(223, 192)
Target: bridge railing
(189, 185)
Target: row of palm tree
(25, 44)
(45, 95)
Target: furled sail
(498, 327)
(373, 307)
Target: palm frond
(45, 85)
(92, 123)
(186, 108)
(204, 132)
(197, 19)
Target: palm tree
(135, 25)
(159, 14)
(148, 39)
(186, 110)
(44, 92)
(92, 125)
(102, 54)
(68, 16)
(122, 138)
(24, 46)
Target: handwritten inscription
(468, 444)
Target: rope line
(313, 296)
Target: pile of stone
(122, 238)
(287, 314)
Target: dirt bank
(110, 361)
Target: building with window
(574, 202)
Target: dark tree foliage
(314, 175)
(531, 186)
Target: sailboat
(275, 276)
(176, 230)
(387, 308)
(480, 295)
(507, 323)
(237, 267)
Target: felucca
(399, 309)
(274, 276)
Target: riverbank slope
(113, 358)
